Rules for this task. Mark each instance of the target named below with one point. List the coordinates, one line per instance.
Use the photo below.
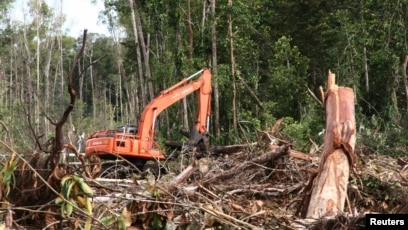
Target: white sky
(80, 15)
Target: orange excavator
(136, 143)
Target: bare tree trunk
(47, 96)
(122, 75)
(38, 52)
(329, 188)
(27, 99)
(214, 69)
(190, 31)
(138, 56)
(404, 74)
(94, 91)
(366, 70)
(145, 50)
(232, 59)
(190, 58)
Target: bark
(183, 176)
(38, 54)
(215, 70)
(59, 136)
(367, 85)
(144, 46)
(190, 31)
(50, 45)
(138, 56)
(232, 60)
(190, 58)
(404, 74)
(329, 186)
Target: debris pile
(251, 188)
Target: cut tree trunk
(329, 186)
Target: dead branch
(59, 137)
(9, 138)
(269, 156)
(184, 175)
(95, 162)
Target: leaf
(58, 200)
(76, 223)
(64, 179)
(157, 222)
(81, 201)
(237, 207)
(170, 225)
(88, 223)
(121, 224)
(155, 192)
(63, 210)
(69, 208)
(85, 188)
(126, 217)
(88, 207)
(108, 220)
(66, 188)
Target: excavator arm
(168, 97)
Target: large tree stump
(329, 187)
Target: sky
(80, 15)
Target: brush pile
(250, 188)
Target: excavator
(136, 143)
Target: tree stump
(329, 187)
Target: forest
(269, 62)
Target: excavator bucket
(199, 140)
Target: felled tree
(328, 189)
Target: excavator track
(122, 169)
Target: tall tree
(138, 55)
(215, 68)
(232, 66)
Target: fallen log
(183, 176)
(297, 154)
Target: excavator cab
(130, 129)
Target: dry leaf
(237, 207)
(127, 217)
(203, 165)
(170, 214)
(76, 223)
(259, 204)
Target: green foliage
(157, 222)
(7, 177)
(297, 132)
(382, 137)
(287, 79)
(75, 193)
(309, 128)
(280, 48)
